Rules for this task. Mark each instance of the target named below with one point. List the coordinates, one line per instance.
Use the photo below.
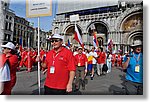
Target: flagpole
(39, 83)
(75, 28)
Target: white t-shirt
(5, 73)
(94, 54)
(109, 58)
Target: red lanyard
(80, 57)
(54, 57)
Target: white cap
(9, 45)
(58, 36)
(136, 43)
(80, 48)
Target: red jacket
(7, 85)
(13, 61)
(3, 60)
(102, 57)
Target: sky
(19, 7)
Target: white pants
(99, 68)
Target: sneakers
(92, 77)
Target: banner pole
(39, 83)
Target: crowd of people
(65, 64)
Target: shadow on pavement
(115, 90)
(36, 92)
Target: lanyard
(54, 57)
(137, 59)
(79, 56)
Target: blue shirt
(131, 74)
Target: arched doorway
(135, 36)
(133, 22)
(132, 27)
(101, 33)
(69, 34)
(100, 41)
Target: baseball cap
(9, 45)
(80, 48)
(58, 36)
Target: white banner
(74, 17)
(37, 8)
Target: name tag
(52, 69)
(79, 64)
(137, 68)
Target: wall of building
(114, 21)
(76, 5)
(6, 21)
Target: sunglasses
(56, 40)
(6, 48)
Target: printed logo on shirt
(61, 58)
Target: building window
(5, 37)
(7, 17)
(9, 38)
(9, 26)
(6, 25)
(10, 18)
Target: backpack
(105, 68)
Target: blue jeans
(109, 63)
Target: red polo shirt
(102, 57)
(81, 59)
(63, 62)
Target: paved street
(106, 84)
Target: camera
(129, 55)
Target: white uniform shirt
(94, 54)
(5, 73)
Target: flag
(77, 37)
(20, 40)
(20, 43)
(69, 43)
(95, 42)
(110, 44)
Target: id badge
(137, 68)
(79, 64)
(52, 69)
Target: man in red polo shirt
(81, 63)
(60, 66)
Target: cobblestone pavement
(108, 84)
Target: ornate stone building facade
(121, 21)
(43, 39)
(6, 21)
(23, 32)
